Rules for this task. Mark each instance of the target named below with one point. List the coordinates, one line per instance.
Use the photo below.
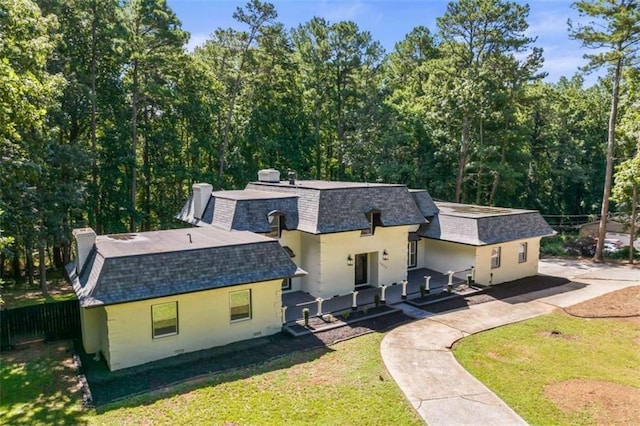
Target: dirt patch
(623, 303)
(555, 334)
(606, 402)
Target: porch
(296, 301)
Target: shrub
(305, 314)
(376, 300)
(423, 290)
(623, 253)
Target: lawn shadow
(216, 365)
(39, 385)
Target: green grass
(39, 390)
(519, 360)
(347, 385)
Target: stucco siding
(338, 278)
(310, 261)
(444, 256)
(91, 329)
(510, 269)
(203, 322)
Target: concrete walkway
(419, 359)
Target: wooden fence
(57, 320)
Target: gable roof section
(130, 267)
(326, 207)
(478, 225)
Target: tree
(156, 43)
(477, 37)
(28, 91)
(615, 32)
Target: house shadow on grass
(39, 385)
(236, 359)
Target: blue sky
(389, 21)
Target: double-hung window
(240, 305)
(412, 254)
(164, 318)
(495, 257)
(522, 252)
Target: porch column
(404, 289)
(354, 303)
(319, 300)
(284, 315)
(383, 290)
(450, 283)
(426, 284)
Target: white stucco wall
(509, 269)
(203, 322)
(90, 323)
(325, 257)
(443, 256)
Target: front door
(362, 269)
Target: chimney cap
(269, 175)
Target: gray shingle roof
(424, 202)
(244, 210)
(130, 267)
(479, 225)
(327, 207)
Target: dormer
(373, 217)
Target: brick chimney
(201, 194)
(85, 240)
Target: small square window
(164, 318)
(495, 257)
(522, 253)
(240, 305)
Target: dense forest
(106, 119)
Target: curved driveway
(419, 359)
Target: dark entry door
(362, 269)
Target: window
(373, 216)
(240, 305)
(286, 284)
(164, 318)
(522, 253)
(495, 257)
(412, 254)
(274, 223)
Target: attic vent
(269, 175)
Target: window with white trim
(286, 284)
(412, 254)
(240, 305)
(522, 252)
(274, 223)
(495, 257)
(164, 319)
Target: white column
(404, 288)
(284, 314)
(383, 290)
(427, 286)
(319, 300)
(354, 303)
(450, 283)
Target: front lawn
(558, 369)
(345, 385)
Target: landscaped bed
(579, 366)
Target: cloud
(196, 40)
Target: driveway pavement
(419, 359)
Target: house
(151, 295)
(349, 235)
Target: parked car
(610, 247)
